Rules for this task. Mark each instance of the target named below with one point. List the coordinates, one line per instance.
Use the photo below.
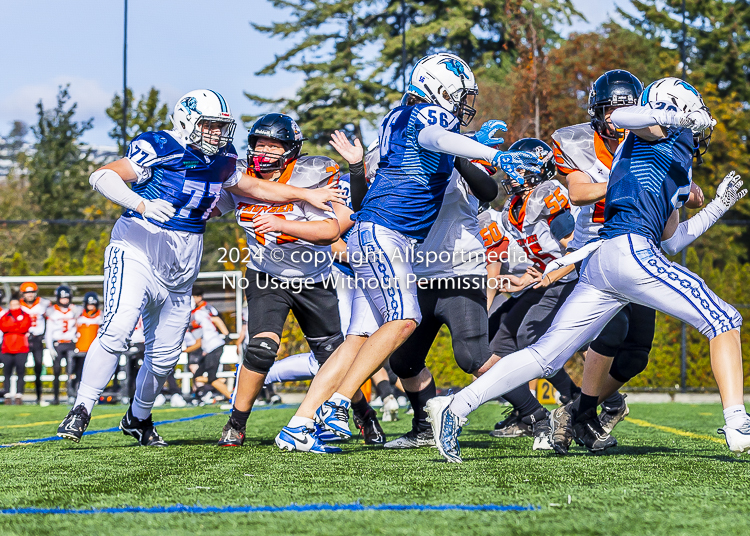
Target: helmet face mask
(62, 292)
(283, 130)
(531, 180)
(91, 298)
(447, 81)
(203, 118)
(613, 89)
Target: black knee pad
(405, 366)
(323, 347)
(260, 354)
(627, 364)
(613, 334)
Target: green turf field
(671, 474)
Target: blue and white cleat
(303, 439)
(334, 418)
(325, 436)
(738, 439)
(446, 427)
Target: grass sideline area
(671, 474)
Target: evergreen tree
(147, 114)
(339, 90)
(59, 168)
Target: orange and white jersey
(527, 222)
(61, 323)
(36, 310)
(580, 148)
(278, 254)
(138, 335)
(87, 325)
(498, 247)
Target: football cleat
(334, 418)
(609, 417)
(542, 432)
(370, 428)
(325, 436)
(561, 423)
(390, 409)
(232, 435)
(143, 431)
(177, 401)
(738, 439)
(589, 431)
(512, 426)
(303, 439)
(412, 440)
(74, 425)
(446, 427)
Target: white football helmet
(447, 81)
(198, 114)
(675, 94)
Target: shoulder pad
(547, 199)
(153, 148)
(229, 151)
(432, 114)
(313, 172)
(242, 165)
(574, 148)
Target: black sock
(586, 403)
(523, 401)
(418, 400)
(384, 389)
(361, 408)
(562, 382)
(613, 402)
(239, 417)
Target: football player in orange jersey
(86, 327)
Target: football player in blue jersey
(155, 249)
(418, 144)
(651, 178)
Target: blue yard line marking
(159, 423)
(351, 507)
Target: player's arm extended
(275, 192)
(110, 181)
(319, 232)
(651, 124)
(482, 185)
(678, 237)
(582, 191)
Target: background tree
(339, 89)
(147, 114)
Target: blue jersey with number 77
(408, 189)
(181, 175)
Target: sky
(174, 46)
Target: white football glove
(158, 210)
(700, 120)
(728, 192)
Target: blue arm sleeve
(562, 225)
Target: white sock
(735, 416)
(340, 400)
(147, 386)
(295, 422)
(516, 369)
(98, 369)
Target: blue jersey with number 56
(181, 175)
(649, 179)
(408, 189)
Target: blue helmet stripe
(221, 101)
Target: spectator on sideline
(36, 308)
(61, 333)
(15, 324)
